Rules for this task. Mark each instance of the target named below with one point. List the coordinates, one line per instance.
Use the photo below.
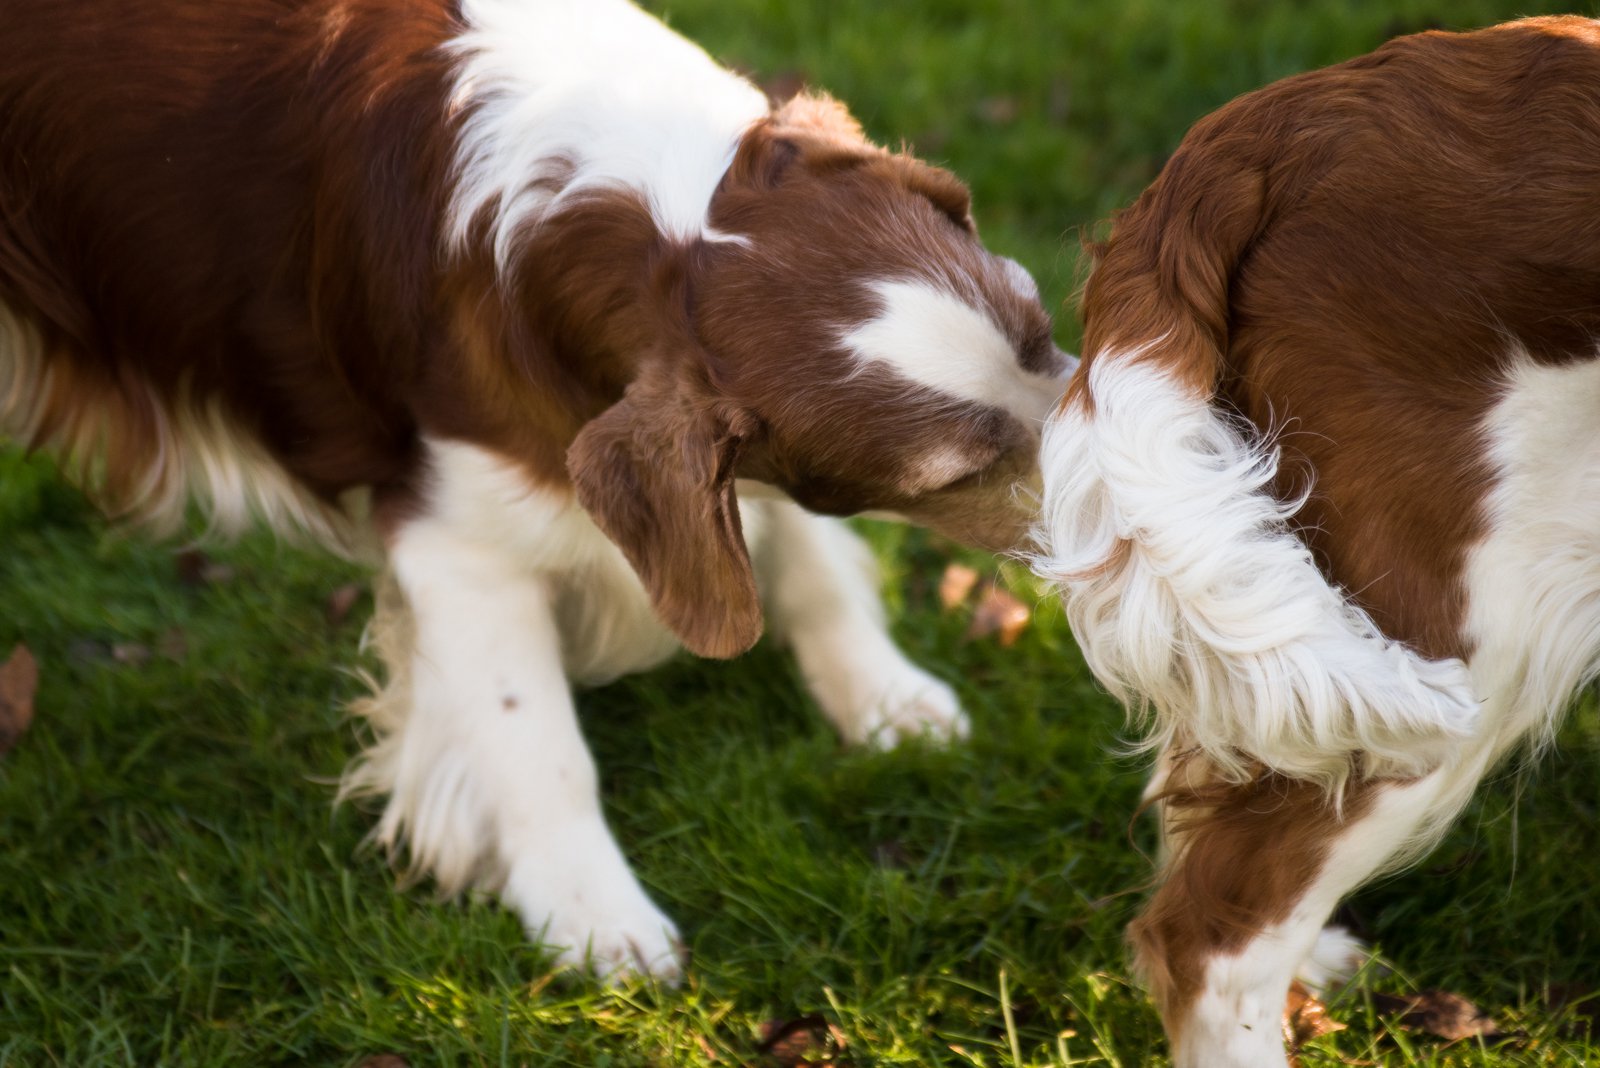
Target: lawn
(177, 889)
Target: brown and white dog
(540, 281)
(1324, 495)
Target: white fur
(559, 97)
(820, 588)
(938, 339)
(503, 593)
(1534, 580)
(1021, 279)
(195, 453)
(1189, 595)
(1238, 1019)
(1333, 961)
(490, 782)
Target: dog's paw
(913, 704)
(618, 949)
(607, 928)
(1333, 961)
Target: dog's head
(841, 335)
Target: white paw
(609, 928)
(1333, 961)
(911, 704)
(617, 949)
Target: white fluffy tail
(1195, 605)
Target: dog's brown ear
(947, 192)
(655, 471)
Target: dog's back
(195, 291)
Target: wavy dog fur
(1193, 601)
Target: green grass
(175, 887)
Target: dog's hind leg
(821, 593)
(1252, 872)
(490, 783)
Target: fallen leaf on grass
(1583, 1003)
(130, 653)
(1439, 1013)
(1305, 1018)
(88, 651)
(891, 854)
(341, 601)
(195, 568)
(805, 1042)
(19, 679)
(384, 1060)
(956, 585)
(1000, 614)
(174, 644)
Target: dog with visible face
(1324, 497)
(528, 294)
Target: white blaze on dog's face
(839, 333)
(893, 362)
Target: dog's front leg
(490, 782)
(822, 598)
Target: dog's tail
(1191, 598)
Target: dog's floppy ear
(655, 471)
(947, 192)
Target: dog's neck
(553, 338)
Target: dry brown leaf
(1305, 1018)
(19, 680)
(805, 1042)
(174, 644)
(1439, 1013)
(385, 1060)
(1000, 614)
(891, 854)
(956, 585)
(341, 601)
(132, 654)
(195, 568)
(1582, 1001)
(88, 651)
